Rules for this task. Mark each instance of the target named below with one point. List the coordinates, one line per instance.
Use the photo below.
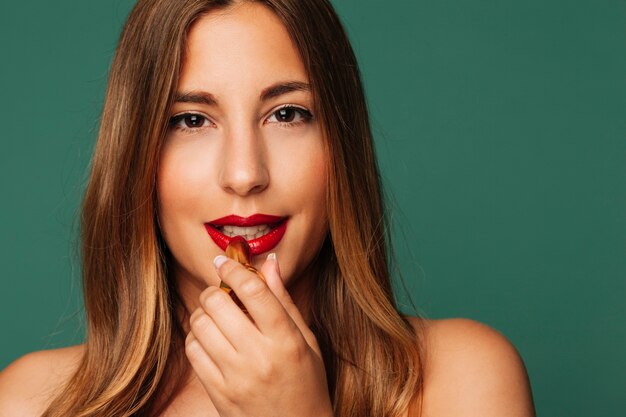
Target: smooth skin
(240, 163)
(236, 153)
(272, 367)
(471, 371)
(233, 153)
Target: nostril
(246, 182)
(258, 188)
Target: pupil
(193, 120)
(286, 115)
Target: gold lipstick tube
(239, 250)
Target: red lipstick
(267, 242)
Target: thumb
(273, 279)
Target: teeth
(248, 233)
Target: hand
(268, 366)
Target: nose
(243, 168)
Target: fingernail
(272, 257)
(219, 261)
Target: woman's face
(244, 153)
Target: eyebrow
(283, 88)
(197, 97)
(273, 91)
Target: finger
(264, 308)
(209, 336)
(206, 369)
(234, 325)
(271, 271)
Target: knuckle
(228, 267)
(275, 323)
(198, 311)
(200, 322)
(190, 337)
(228, 396)
(192, 348)
(283, 326)
(213, 298)
(252, 287)
(243, 389)
(265, 371)
(295, 350)
(205, 293)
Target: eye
(189, 121)
(290, 115)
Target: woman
(227, 118)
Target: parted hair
(134, 362)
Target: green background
(500, 127)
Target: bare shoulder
(470, 369)
(29, 384)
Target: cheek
(316, 180)
(182, 184)
(300, 164)
(304, 180)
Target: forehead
(244, 46)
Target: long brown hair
(134, 362)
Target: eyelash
(305, 117)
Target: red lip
(253, 220)
(257, 246)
